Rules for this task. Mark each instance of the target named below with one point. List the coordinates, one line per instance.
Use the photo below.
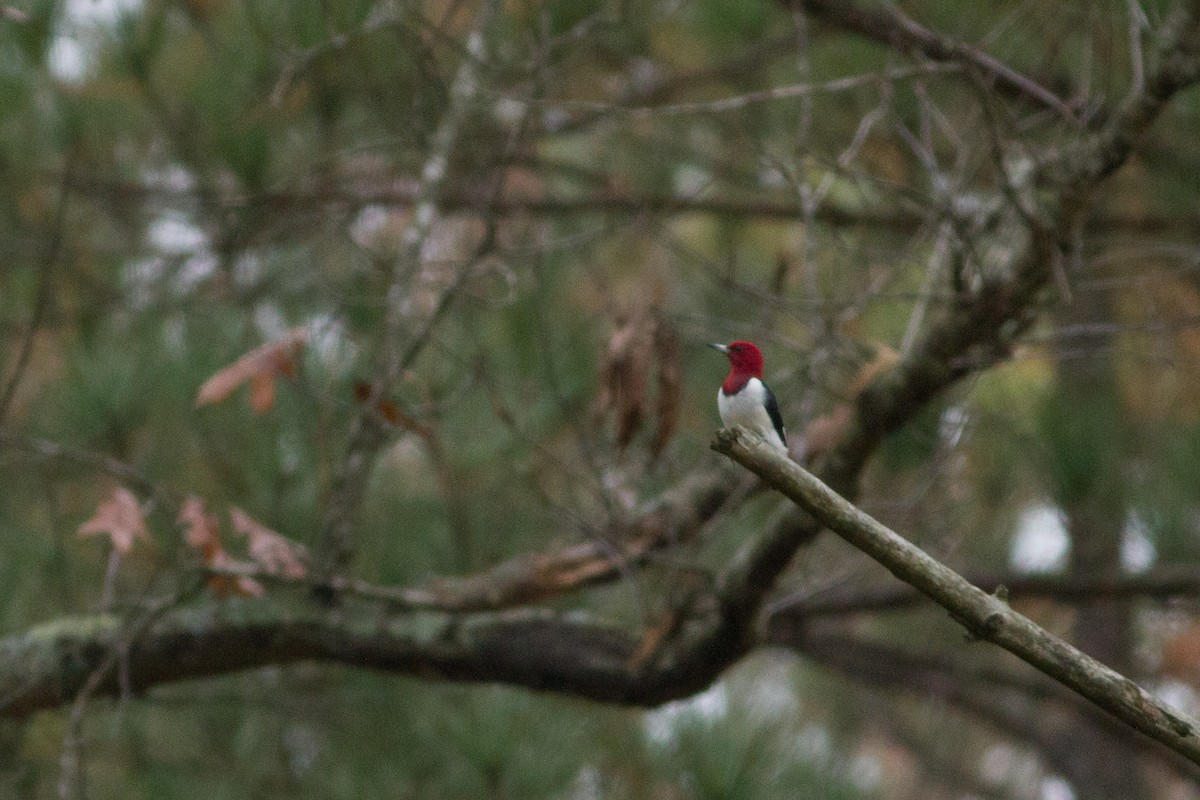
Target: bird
(744, 399)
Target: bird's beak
(723, 348)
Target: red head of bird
(745, 362)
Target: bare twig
(679, 516)
(54, 451)
(741, 101)
(888, 25)
(70, 781)
(382, 18)
(399, 193)
(998, 698)
(45, 291)
(1160, 584)
(366, 436)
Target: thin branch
(382, 18)
(985, 616)
(641, 94)
(66, 454)
(676, 518)
(70, 780)
(1162, 583)
(1175, 67)
(741, 101)
(991, 694)
(45, 291)
(366, 437)
(888, 25)
(400, 192)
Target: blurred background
(515, 226)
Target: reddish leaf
(260, 367)
(1180, 656)
(272, 551)
(203, 534)
(262, 392)
(883, 359)
(120, 517)
(203, 531)
(389, 411)
(670, 384)
(654, 637)
(232, 585)
(824, 432)
(623, 378)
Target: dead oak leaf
(388, 410)
(226, 585)
(623, 370)
(823, 433)
(670, 383)
(273, 552)
(882, 359)
(120, 517)
(202, 533)
(260, 368)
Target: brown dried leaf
(824, 432)
(626, 360)
(262, 392)
(232, 585)
(260, 367)
(390, 412)
(1181, 656)
(272, 551)
(884, 359)
(654, 636)
(783, 270)
(120, 517)
(203, 530)
(670, 384)
(623, 377)
(203, 534)
(642, 348)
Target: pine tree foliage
(387, 313)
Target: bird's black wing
(773, 413)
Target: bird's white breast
(748, 407)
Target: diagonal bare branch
(985, 616)
(888, 25)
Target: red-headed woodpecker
(744, 399)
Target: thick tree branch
(984, 616)
(46, 667)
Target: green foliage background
(212, 173)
